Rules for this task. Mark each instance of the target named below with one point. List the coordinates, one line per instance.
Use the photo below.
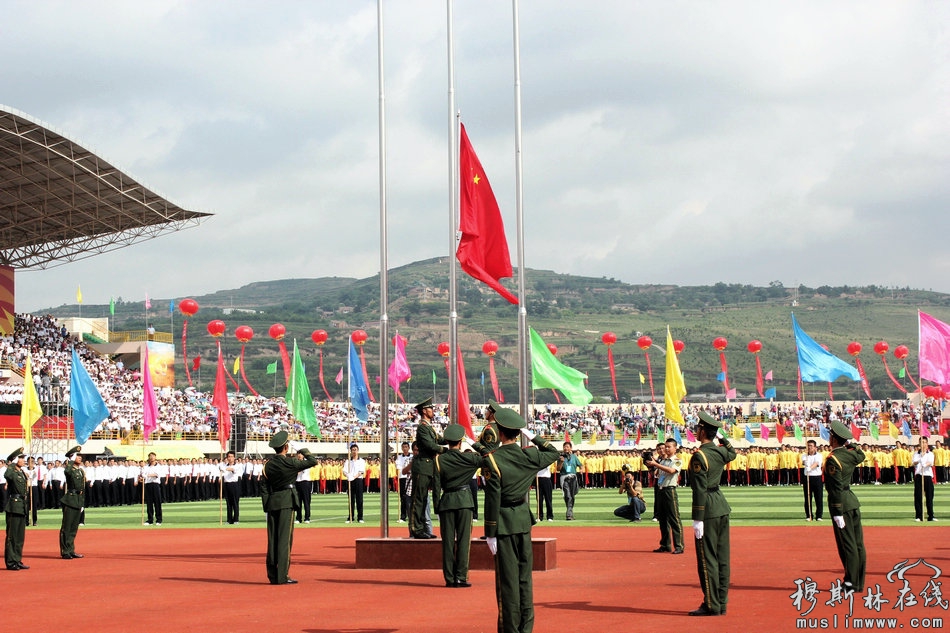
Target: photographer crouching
(634, 490)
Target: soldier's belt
(512, 504)
(713, 489)
(459, 489)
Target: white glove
(528, 434)
(839, 522)
(698, 529)
(467, 443)
(492, 544)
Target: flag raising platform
(407, 553)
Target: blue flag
(171, 306)
(677, 436)
(721, 376)
(748, 435)
(359, 394)
(483, 379)
(770, 393)
(823, 432)
(89, 409)
(816, 363)
(906, 429)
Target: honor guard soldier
(454, 469)
(423, 471)
(711, 515)
(279, 497)
(489, 436)
(508, 518)
(73, 503)
(843, 505)
(15, 510)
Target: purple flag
(149, 405)
(399, 368)
(934, 350)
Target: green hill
(570, 312)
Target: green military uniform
(508, 519)
(489, 437)
(15, 510)
(73, 502)
(455, 470)
(839, 466)
(423, 474)
(280, 500)
(711, 508)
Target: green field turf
(887, 505)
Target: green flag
(112, 309)
(798, 432)
(299, 400)
(272, 368)
(547, 372)
(875, 431)
(901, 373)
(661, 435)
(576, 438)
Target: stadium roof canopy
(59, 202)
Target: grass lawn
(887, 505)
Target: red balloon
(552, 348)
(490, 348)
(901, 352)
(644, 342)
(444, 349)
(720, 343)
(881, 347)
(188, 307)
(244, 333)
(678, 346)
(754, 346)
(929, 391)
(277, 331)
(216, 328)
(854, 348)
(359, 336)
(609, 338)
(319, 337)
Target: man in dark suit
(423, 471)
(73, 502)
(280, 501)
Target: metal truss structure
(59, 202)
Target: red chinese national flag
(483, 249)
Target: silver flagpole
(519, 222)
(453, 225)
(383, 293)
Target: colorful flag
(298, 397)
(689, 435)
(549, 372)
(359, 392)
(823, 433)
(196, 363)
(148, 302)
(642, 379)
(770, 393)
(30, 410)
(779, 432)
(818, 364)
(171, 306)
(112, 306)
(721, 376)
(89, 409)
(576, 437)
(149, 404)
(875, 431)
(855, 431)
(272, 368)
(339, 375)
(748, 434)
(906, 429)
(463, 413)
(79, 295)
(934, 350)
(674, 387)
(763, 431)
(901, 373)
(661, 435)
(731, 394)
(798, 432)
(677, 436)
(219, 400)
(483, 249)
(399, 368)
(892, 429)
(237, 365)
(768, 376)
(433, 377)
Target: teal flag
(299, 400)
(818, 364)
(89, 409)
(547, 372)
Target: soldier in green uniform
(843, 505)
(711, 515)
(73, 502)
(508, 518)
(280, 500)
(489, 435)
(455, 470)
(423, 471)
(15, 510)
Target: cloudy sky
(664, 142)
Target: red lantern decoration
(609, 338)
(490, 348)
(443, 349)
(277, 332)
(854, 348)
(754, 346)
(188, 307)
(244, 333)
(881, 347)
(552, 348)
(678, 346)
(901, 352)
(359, 337)
(319, 337)
(928, 391)
(216, 328)
(720, 344)
(644, 342)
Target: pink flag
(731, 394)
(399, 368)
(764, 431)
(768, 376)
(339, 376)
(220, 401)
(149, 404)
(934, 350)
(689, 436)
(148, 302)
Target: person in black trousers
(305, 491)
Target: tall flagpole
(453, 224)
(383, 284)
(519, 222)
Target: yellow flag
(30, 411)
(79, 294)
(593, 438)
(674, 389)
(892, 430)
(237, 365)
(642, 379)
